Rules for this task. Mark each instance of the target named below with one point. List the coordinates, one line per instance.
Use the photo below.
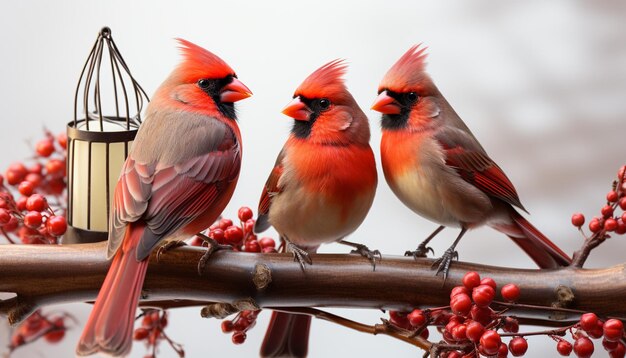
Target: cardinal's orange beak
(234, 91)
(296, 109)
(386, 104)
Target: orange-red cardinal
(437, 168)
(177, 179)
(321, 187)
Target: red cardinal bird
(177, 179)
(437, 168)
(321, 187)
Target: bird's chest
(413, 169)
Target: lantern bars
(98, 144)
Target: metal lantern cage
(98, 144)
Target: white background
(541, 84)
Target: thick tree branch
(46, 274)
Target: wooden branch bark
(46, 274)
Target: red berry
(425, 333)
(481, 314)
(619, 351)
(490, 342)
(510, 292)
(248, 226)
(5, 217)
(56, 225)
(44, 147)
(21, 203)
(267, 242)
(608, 345)
(11, 225)
(34, 178)
(622, 203)
(621, 227)
(458, 290)
(607, 211)
(459, 332)
(511, 325)
(596, 332)
(578, 219)
(62, 140)
(518, 346)
(26, 188)
(233, 235)
(503, 352)
(55, 186)
(613, 330)
(594, 225)
(140, 334)
(227, 326)
(35, 168)
(17, 340)
(416, 318)
(217, 235)
(252, 246)
(16, 173)
(225, 224)
(610, 224)
(399, 319)
(483, 295)
(36, 202)
(33, 219)
(564, 348)
(611, 196)
(461, 304)
(588, 321)
(245, 213)
(474, 331)
(471, 280)
(239, 337)
(55, 335)
(489, 282)
(583, 347)
(55, 167)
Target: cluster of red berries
(51, 327)
(591, 327)
(241, 237)
(31, 216)
(152, 331)
(469, 325)
(609, 220)
(239, 325)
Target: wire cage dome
(98, 144)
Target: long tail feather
(287, 336)
(110, 324)
(536, 245)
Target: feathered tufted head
(408, 72)
(201, 63)
(326, 81)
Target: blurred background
(541, 84)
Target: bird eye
(204, 83)
(324, 103)
(411, 96)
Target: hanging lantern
(98, 144)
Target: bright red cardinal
(177, 179)
(437, 168)
(321, 187)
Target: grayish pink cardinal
(436, 167)
(178, 177)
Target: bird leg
(212, 247)
(364, 251)
(170, 245)
(443, 263)
(422, 249)
(299, 254)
